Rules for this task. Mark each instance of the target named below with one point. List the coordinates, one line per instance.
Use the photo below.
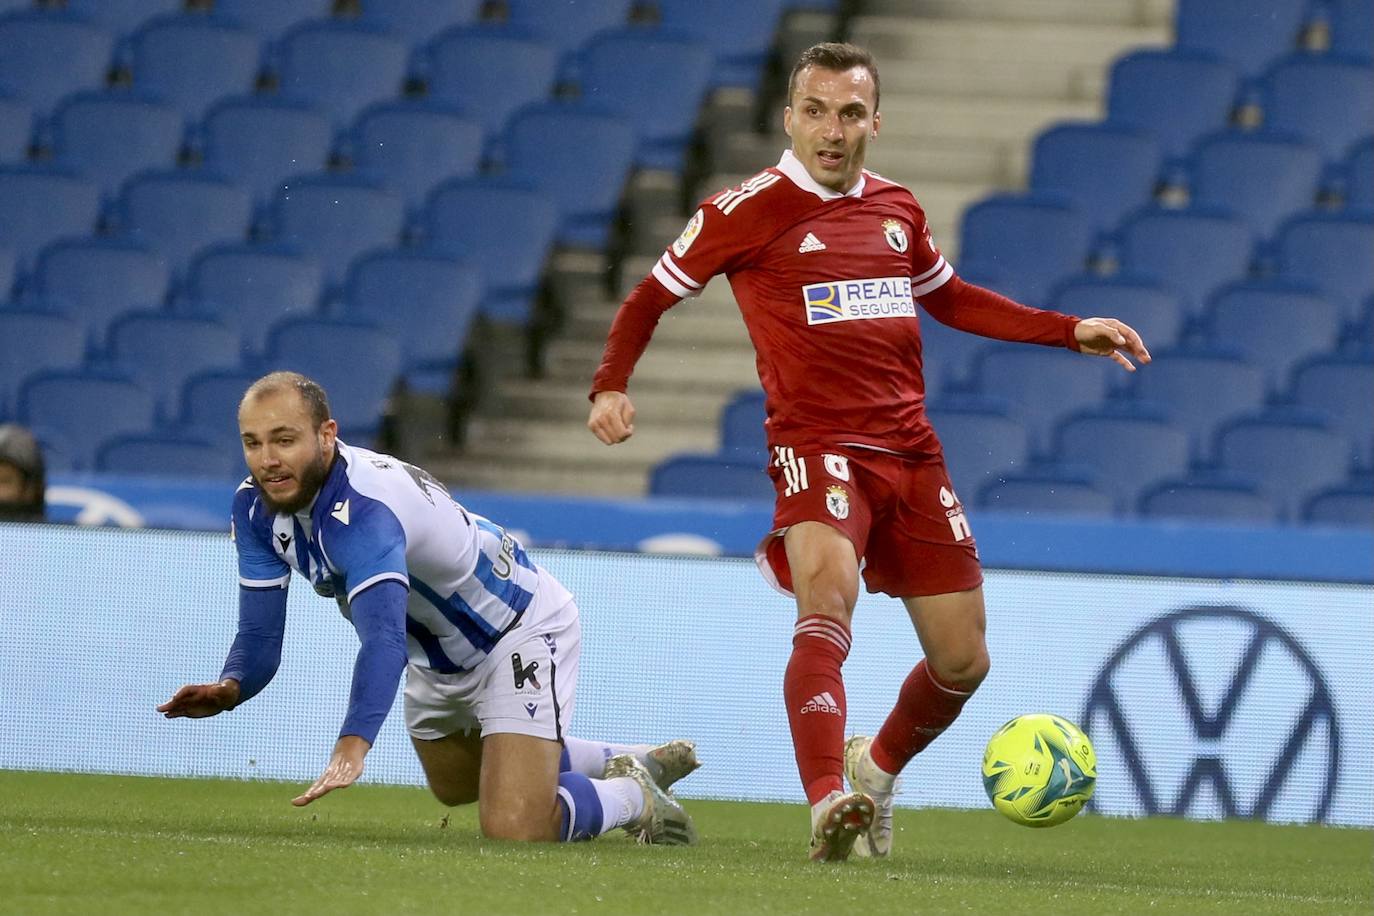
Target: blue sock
(582, 812)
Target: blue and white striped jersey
(378, 518)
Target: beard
(309, 481)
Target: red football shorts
(901, 513)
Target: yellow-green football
(1039, 770)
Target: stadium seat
(189, 62)
(1127, 447)
(947, 357)
(1273, 325)
(1176, 96)
(168, 454)
(1045, 384)
(1154, 312)
(94, 280)
(489, 73)
(357, 364)
(584, 173)
(1292, 453)
(1046, 493)
(45, 55)
(251, 287)
(1250, 36)
(1330, 103)
(740, 34)
(1190, 253)
(426, 301)
(742, 433)
(1209, 496)
(39, 205)
(122, 17)
(1330, 252)
(411, 148)
(510, 245)
(1359, 170)
(209, 407)
(710, 477)
(1261, 180)
(161, 351)
(1199, 390)
(9, 271)
(417, 21)
(983, 443)
(1352, 28)
(342, 68)
(180, 214)
(1035, 239)
(270, 21)
(85, 408)
(664, 99)
(567, 27)
(1345, 505)
(259, 144)
(108, 137)
(1105, 170)
(16, 128)
(1343, 388)
(35, 341)
(335, 219)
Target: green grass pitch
(114, 845)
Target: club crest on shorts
(837, 502)
(895, 235)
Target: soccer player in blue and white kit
(489, 641)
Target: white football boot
(669, 762)
(836, 822)
(864, 776)
(664, 821)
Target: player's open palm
(345, 766)
(1109, 337)
(612, 418)
(196, 701)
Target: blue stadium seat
(1352, 28)
(982, 442)
(947, 356)
(16, 128)
(270, 21)
(411, 148)
(1261, 180)
(1200, 390)
(1105, 170)
(1045, 384)
(161, 351)
(742, 434)
(251, 287)
(9, 271)
(35, 341)
(568, 27)
(357, 364)
(261, 143)
(1189, 253)
(664, 99)
(1345, 505)
(426, 301)
(45, 55)
(94, 280)
(1273, 325)
(1209, 496)
(489, 73)
(710, 477)
(1328, 102)
(122, 16)
(1046, 493)
(342, 68)
(180, 214)
(584, 173)
(1293, 454)
(1248, 35)
(1153, 311)
(1128, 448)
(85, 408)
(1176, 96)
(336, 219)
(189, 62)
(417, 21)
(1036, 239)
(1359, 191)
(510, 245)
(108, 137)
(169, 454)
(1343, 388)
(740, 34)
(1331, 253)
(210, 405)
(39, 205)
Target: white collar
(792, 167)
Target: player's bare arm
(612, 418)
(197, 701)
(1109, 337)
(345, 766)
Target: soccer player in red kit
(827, 262)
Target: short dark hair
(838, 56)
(316, 401)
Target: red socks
(814, 692)
(924, 709)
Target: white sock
(873, 775)
(622, 801)
(589, 757)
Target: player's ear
(877, 123)
(787, 120)
(329, 432)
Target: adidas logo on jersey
(810, 243)
(821, 702)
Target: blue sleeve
(256, 652)
(379, 615)
(369, 548)
(251, 529)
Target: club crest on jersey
(852, 300)
(895, 235)
(689, 234)
(837, 502)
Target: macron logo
(810, 243)
(822, 702)
(341, 512)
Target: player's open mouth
(829, 157)
(276, 483)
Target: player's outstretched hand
(196, 701)
(345, 766)
(1109, 337)
(612, 418)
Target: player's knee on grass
(531, 823)
(454, 793)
